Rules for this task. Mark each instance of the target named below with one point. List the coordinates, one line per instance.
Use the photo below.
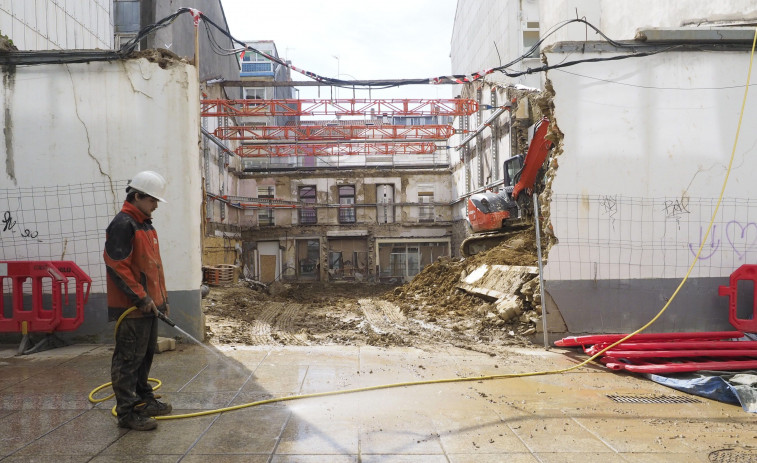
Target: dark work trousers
(132, 359)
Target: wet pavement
(45, 415)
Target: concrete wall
(55, 25)
(66, 159)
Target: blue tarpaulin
(729, 387)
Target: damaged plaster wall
(78, 133)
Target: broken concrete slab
(497, 281)
(165, 344)
(509, 286)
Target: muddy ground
(426, 312)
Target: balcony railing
(308, 216)
(347, 214)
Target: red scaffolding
(336, 133)
(376, 108)
(333, 149)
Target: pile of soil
(428, 311)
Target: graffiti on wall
(9, 225)
(736, 237)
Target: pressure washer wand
(164, 317)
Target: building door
(308, 258)
(268, 261)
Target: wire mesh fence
(622, 237)
(61, 222)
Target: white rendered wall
(57, 24)
(74, 135)
(645, 150)
(620, 20)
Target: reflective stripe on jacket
(132, 260)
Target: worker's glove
(146, 305)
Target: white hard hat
(150, 183)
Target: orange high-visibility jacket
(132, 260)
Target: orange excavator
(489, 213)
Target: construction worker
(135, 278)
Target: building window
(385, 203)
(425, 203)
(265, 214)
(307, 196)
(254, 93)
(530, 38)
(347, 204)
(255, 62)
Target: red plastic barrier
(39, 318)
(676, 345)
(83, 284)
(572, 341)
(679, 367)
(746, 272)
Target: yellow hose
(92, 399)
(489, 377)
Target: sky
(352, 39)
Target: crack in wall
(128, 77)
(114, 204)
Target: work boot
(137, 422)
(153, 407)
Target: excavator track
(482, 242)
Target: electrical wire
(79, 56)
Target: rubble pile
(498, 288)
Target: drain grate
(653, 399)
(732, 456)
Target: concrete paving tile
(311, 433)
(77, 400)
(388, 458)
(398, 431)
(50, 459)
(172, 437)
(186, 402)
(476, 432)
(665, 457)
(141, 459)
(538, 434)
(647, 436)
(315, 355)
(277, 379)
(492, 458)
(579, 455)
(314, 458)
(86, 434)
(198, 458)
(215, 380)
(28, 427)
(321, 378)
(247, 431)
